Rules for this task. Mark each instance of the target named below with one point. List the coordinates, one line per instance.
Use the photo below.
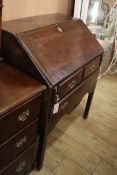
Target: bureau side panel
(15, 55)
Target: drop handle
(21, 142)
(21, 166)
(72, 84)
(92, 68)
(24, 116)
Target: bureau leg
(88, 105)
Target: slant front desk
(64, 56)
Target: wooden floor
(79, 147)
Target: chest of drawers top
(15, 88)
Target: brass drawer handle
(21, 166)
(21, 142)
(22, 117)
(64, 105)
(72, 84)
(92, 68)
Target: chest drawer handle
(72, 84)
(21, 166)
(22, 117)
(64, 105)
(21, 142)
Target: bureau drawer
(91, 67)
(70, 83)
(17, 144)
(16, 120)
(70, 102)
(23, 164)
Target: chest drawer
(70, 83)
(17, 144)
(19, 118)
(91, 67)
(23, 164)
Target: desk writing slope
(55, 53)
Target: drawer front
(69, 103)
(23, 164)
(91, 67)
(70, 83)
(17, 144)
(18, 119)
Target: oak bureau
(60, 53)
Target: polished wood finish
(55, 67)
(20, 100)
(70, 83)
(71, 101)
(88, 105)
(11, 119)
(9, 32)
(23, 164)
(16, 88)
(56, 55)
(60, 60)
(17, 144)
(91, 67)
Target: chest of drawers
(64, 56)
(20, 98)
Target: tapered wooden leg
(88, 105)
